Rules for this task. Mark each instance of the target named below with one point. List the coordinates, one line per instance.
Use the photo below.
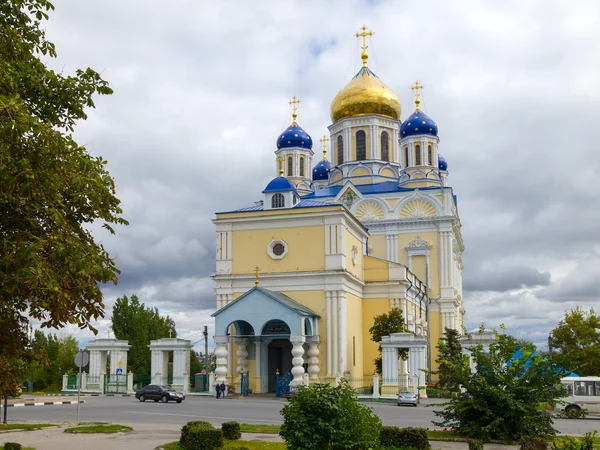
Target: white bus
(583, 393)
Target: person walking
(218, 389)
(222, 389)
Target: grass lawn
(99, 428)
(25, 426)
(232, 445)
(259, 428)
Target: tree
(326, 417)
(503, 399)
(134, 322)
(51, 189)
(577, 339)
(449, 355)
(384, 325)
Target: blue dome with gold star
(442, 164)
(294, 136)
(418, 123)
(321, 170)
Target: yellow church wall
(432, 238)
(418, 267)
(354, 335)
(360, 172)
(336, 177)
(278, 212)
(392, 202)
(361, 181)
(377, 246)
(354, 269)
(434, 336)
(376, 270)
(371, 307)
(306, 250)
(387, 173)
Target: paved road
(127, 410)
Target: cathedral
(373, 225)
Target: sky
(201, 93)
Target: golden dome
(365, 94)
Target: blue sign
(119, 371)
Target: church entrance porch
(268, 332)
(279, 360)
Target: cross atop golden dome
(366, 94)
(364, 55)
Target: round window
(278, 249)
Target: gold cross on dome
(280, 159)
(256, 270)
(364, 35)
(294, 102)
(415, 88)
(324, 141)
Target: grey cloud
(201, 96)
(502, 279)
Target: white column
(313, 358)
(211, 383)
(335, 332)
(347, 145)
(242, 355)
(373, 153)
(328, 318)
(389, 364)
(395, 146)
(221, 356)
(422, 364)
(297, 360)
(342, 331)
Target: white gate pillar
(417, 361)
(297, 360)
(242, 354)
(313, 357)
(389, 369)
(99, 349)
(159, 369)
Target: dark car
(156, 392)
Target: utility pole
(550, 346)
(206, 358)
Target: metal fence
(115, 384)
(72, 382)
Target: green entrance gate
(115, 384)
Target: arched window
(417, 155)
(405, 156)
(429, 155)
(278, 201)
(361, 145)
(385, 154)
(290, 166)
(340, 150)
(301, 166)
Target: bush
(200, 437)
(404, 437)
(326, 417)
(12, 446)
(185, 429)
(533, 444)
(570, 443)
(231, 431)
(475, 444)
(573, 414)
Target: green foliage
(186, 428)
(138, 324)
(571, 443)
(501, 401)
(51, 190)
(384, 325)
(404, 437)
(231, 431)
(475, 444)
(326, 417)
(201, 437)
(573, 414)
(577, 339)
(105, 428)
(533, 443)
(449, 355)
(12, 446)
